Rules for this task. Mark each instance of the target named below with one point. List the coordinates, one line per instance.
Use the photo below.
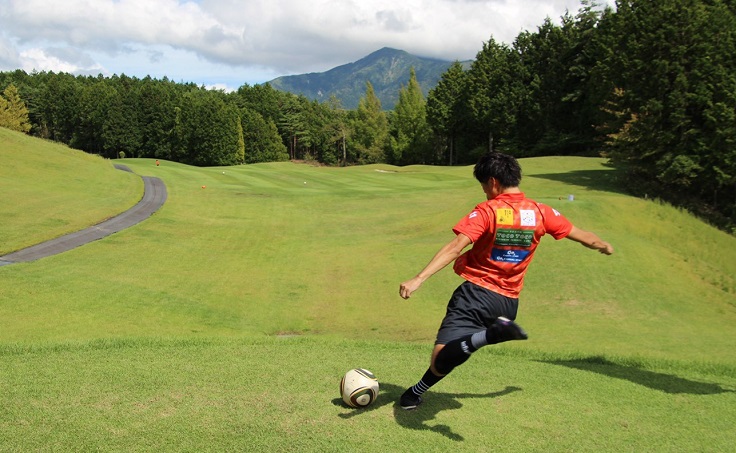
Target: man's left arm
(590, 240)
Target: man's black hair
(503, 167)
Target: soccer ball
(359, 388)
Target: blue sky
(228, 43)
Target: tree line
(649, 84)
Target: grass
(210, 395)
(49, 190)
(225, 321)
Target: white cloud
(60, 59)
(215, 42)
(38, 59)
(9, 58)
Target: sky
(224, 44)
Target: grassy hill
(50, 190)
(226, 319)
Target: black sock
(428, 380)
(453, 354)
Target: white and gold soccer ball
(359, 388)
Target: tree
(297, 126)
(156, 105)
(561, 103)
(207, 130)
(263, 99)
(95, 101)
(445, 108)
(240, 149)
(410, 133)
(58, 105)
(496, 89)
(338, 131)
(13, 111)
(370, 129)
(121, 129)
(542, 123)
(674, 65)
(262, 142)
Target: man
(505, 231)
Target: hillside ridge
(387, 69)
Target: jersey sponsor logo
(519, 238)
(509, 256)
(504, 216)
(473, 215)
(528, 217)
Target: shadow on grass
(657, 381)
(603, 180)
(434, 403)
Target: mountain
(387, 70)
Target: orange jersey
(505, 233)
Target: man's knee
(453, 354)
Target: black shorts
(473, 308)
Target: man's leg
(456, 352)
(412, 397)
(446, 357)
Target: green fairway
(225, 320)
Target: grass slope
(49, 190)
(171, 335)
(258, 251)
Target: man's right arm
(590, 240)
(442, 258)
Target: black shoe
(504, 329)
(409, 400)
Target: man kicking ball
(505, 231)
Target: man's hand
(409, 286)
(603, 247)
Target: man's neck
(511, 190)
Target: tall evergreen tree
(674, 68)
(338, 133)
(495, 87)
(555, 77)
(121, 129)
(410, 133)
(294, 126)
(205, 136)
(445, 110)
(95, 101)
(58, 107)
(261, 139)
(156, 106)
(370, 129)
(263, 99)
(13, 111)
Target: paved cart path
(154, 196)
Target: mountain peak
(387, 69)
(389, 51)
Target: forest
(649, 84)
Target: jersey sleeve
(474, 224)
(555, 223)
